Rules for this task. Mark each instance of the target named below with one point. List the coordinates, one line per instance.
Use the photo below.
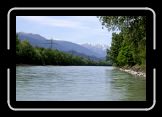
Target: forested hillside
(61, 45)
(27, 54)
(128, 47)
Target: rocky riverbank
(134, 71)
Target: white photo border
(81, 109)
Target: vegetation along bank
(128, 47)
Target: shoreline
(27, 65)
(133, 72)
(57, 65)
(128, 70)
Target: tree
(129, 46)
(17, 50)
(17, 44)
(26, 52)
(122, 22)
(115, 46)
(125, 56)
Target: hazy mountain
(85, 56)
(99, 49)
(65, 46)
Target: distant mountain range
(84, 50)
(99, 49)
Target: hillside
(65, 46)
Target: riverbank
(135, 70)
(57, 65)
(27, 65)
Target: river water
(77, 83)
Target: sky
(76, 29)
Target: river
(77, 83)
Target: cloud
(77, 29)
(84, 18)
(50, 21)
(77, 22)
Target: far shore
(58, 65)
(28, 65)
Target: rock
(134, 72)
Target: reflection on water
(130, 87)
(77, 83)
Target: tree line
(27, 54)
(128, 47)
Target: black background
(86, 104)
(7, 58)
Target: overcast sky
(76, 29)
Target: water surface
(77, 83)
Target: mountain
(99, 49)
(85, 56)
(65, 46)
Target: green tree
(129, 46)
(26, 52)
(115, 46)
(125, 56)
(121, 22)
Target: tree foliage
(129, 46)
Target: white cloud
(78, 29)
(84, 18)
(77, 22)
(49, 21)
